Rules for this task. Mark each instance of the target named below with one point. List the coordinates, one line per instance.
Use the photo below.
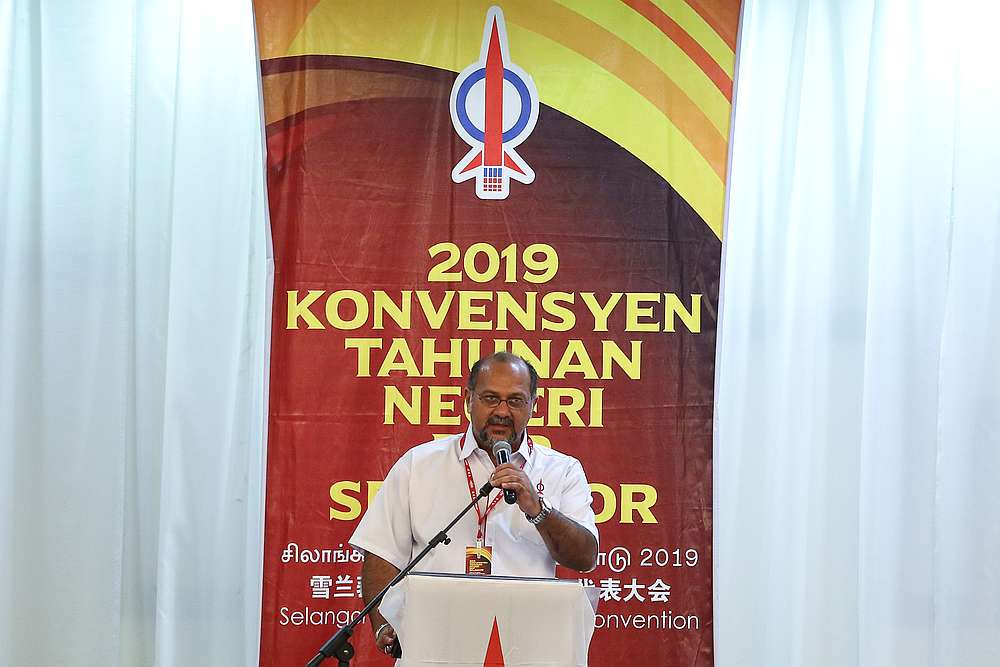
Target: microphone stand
(338, 645)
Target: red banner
(396, 270)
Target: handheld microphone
(501, 450)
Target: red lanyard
(474, 491)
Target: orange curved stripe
(722, 15)
(695, 51)
(621, 59)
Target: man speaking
(549, 521)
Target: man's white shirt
(428, 486)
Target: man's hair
(506, 358)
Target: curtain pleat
(134, 292)
(856, 425)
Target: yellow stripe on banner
(609, 52)
(619, 19)
(447, 34)
(704, 34)
(629, 119)
(405, 31)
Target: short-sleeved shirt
(428, 486)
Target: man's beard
(485, 439)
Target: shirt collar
(469, 446)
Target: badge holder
(339, 645)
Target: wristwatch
(540, 517)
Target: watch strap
(542, 514)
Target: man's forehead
(503, 372)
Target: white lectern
(450, 619)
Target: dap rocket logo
(494, 106)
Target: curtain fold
(856, 429)
(134, 289)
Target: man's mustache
(500, 421)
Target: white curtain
(134, 269)
(857, 517)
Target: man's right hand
(385, 638)
(376, 573)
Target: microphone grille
(501, 446)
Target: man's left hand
(509, 476)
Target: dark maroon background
(359, 190)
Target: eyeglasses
(494, 401)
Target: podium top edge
(479, 577)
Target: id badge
(479, 560)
